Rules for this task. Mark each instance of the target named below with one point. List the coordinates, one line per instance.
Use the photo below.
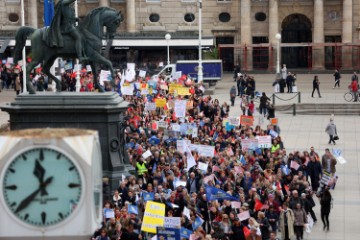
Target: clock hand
(39, 171)
(24, 203)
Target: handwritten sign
(246, 120)
(249, 143)
(172, 222)
(234, 121)
(150, 106)
(153, 216)
(127, 90)
(264, 141)
(244, 215)
(180, 108)
(183, 91)
(205, 150)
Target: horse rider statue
(64, 23)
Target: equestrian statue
(64, 39)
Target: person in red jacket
(354, 89)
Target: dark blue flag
(48, 12)
(148, 196)
(213, 193)
(198, 222)
(133, 209)
(185, 233)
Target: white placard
(249, 143)
(146, 154)
(10, 60)
(175, 127)
(341, 160)
(172, 222)
(180, 183)
(142, 73)
(104, 76)
(109, 213)
(150, 106)
(194, 132)
(180, 108)
(186, 212)
(162, 124)
(127, 90)
(177, 75)
(88, 68)
(234, 121)
(235, 205)
(206, 151)
(264, 141)
(144, 91)
(244, 215)
(203, 166)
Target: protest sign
(162, 124)
(88, 68)
(264, 141)
(142, 73)
(235, 205)
(144, 90)
(146, 154)
(175, 127)
(177, 75)
(273, 133)
(294, 165)
(244, 215)
(203, 166)
(274, 121)
(180, 108)
(160, 102)
(172, 222)
(186, 212)
(249, 143)
(194, 132)
(189, 104)
(246, 120)
(10, 60)
(164, 87)
(68, 66)
(234, 121)
(180, 183)
(206, 151)
(150, 106)
(165, 233)
(109, 213)
(153, 216)
(183, 91)
(127, 90)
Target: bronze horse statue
(92, 34)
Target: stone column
(130, 16)
(273, 30)
(347, 28)
(318, 58)
(33, 14)
(104, 3)
(246, 37)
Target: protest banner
(243, 215)
(10, 60)
(194, 132)
(180, 108)
(88, 68)
(186, 212)
(180, 146)
(162, 124)
(153, 216)
(249, 143)
(194, 147)
(274, 121)
(175, 127)
(183, 91)
(206, 151)
(109, 213)
(165, 233)
(264, 141)
(173, 87)
(144, 90)
(160, 102)
(213, 193)
(197, 223)
(172, 222)
(146, 154)
(235, 205)
(203, 166)
(246, 120)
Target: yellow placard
(183, 91)
(160, 102)
(174, 86)
(153, 216)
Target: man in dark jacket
(314, 171)
(337, 77)
(289, 82)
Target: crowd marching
(206, 172)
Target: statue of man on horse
(64, 23)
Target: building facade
(316, 34)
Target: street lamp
(77, 85)
(278, 38)
(200, 67)
(168, 37)
(24, 49)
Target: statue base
(97, 111)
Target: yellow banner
(160, 103)
(153, 216)
(174, 86)
(183, 91)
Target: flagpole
(24, 49)
(77, 85)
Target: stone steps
(320, 109)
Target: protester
(325, 203)
(354, 87)
(300, 220)
(286, 222)
(263, 103)
(328, 162)
(289, 82)
(232, 95)
(316, 86)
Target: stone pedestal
(96, 111)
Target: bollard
(273, 98)
(299, 97)
(294, 109)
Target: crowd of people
(267, 192)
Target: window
(260, 16)
(223, 1)
(13, 17)
(224, 17)
(117, 1)
(91, 1)
(154, 17)
(152, 1)
(189, 17)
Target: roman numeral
(41, 156)
(11, 187)
(12, 170)
(43, 217)
(13, 204)
(73, 185)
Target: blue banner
(48, 12)
(213, 193)
(133, 209)
(198, 222)
(185, 233)
(168, 233)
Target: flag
(198, 222)
(285, 170)
(48, 12)
(258, 205)
(148, 196)
(247, 231)
(189, 157)
(242, 160)
(213, 193)
(185, 233)
(133, 209)
(336, 152)
(209, 178)
(215, 169)
(238, 169)
(172, 205)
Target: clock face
(42, 186)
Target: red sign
(246, 120)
